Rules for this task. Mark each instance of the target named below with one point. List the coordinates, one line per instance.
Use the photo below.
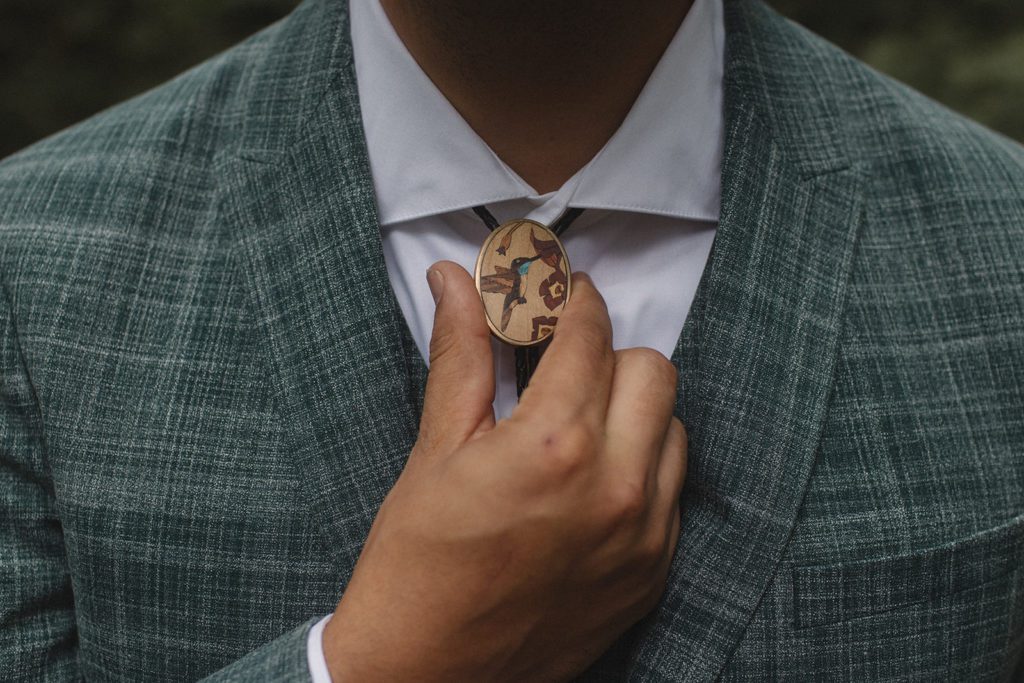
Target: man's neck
(545, 83)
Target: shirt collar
(425, 159)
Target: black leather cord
(487, 217)
(558, 227)
(527, 357)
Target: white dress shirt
(651, 194)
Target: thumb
(460, 384)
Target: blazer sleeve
(283, 660)
(38, 636)
(38, 641)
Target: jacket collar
(756, 353)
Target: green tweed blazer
(207, 386)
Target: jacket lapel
(299, 197)
(757, 352)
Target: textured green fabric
(207, 386)
(283, 659)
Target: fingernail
(435, 280)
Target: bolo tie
(522, 275)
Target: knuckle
(569, 448)
(580, 437)
(680, 445)
(661, 367)
(627, 501)
(653, 367)
(651, 551)
(678, 428)
(443, 343)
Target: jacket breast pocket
(828, 594)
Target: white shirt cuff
(315, 652)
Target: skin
(521, 549)
(545, 83)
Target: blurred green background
(62, 60)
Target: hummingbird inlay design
(529, 270)
(508, 281)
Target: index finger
(574, 377)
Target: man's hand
(519, 551)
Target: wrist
(361, 648)
(340, 656)
(352, 653)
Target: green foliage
(61, 60)
(968, 54)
